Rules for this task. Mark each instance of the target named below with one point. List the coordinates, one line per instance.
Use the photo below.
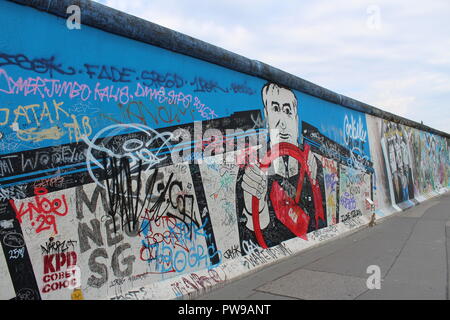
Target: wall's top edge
(117, 22)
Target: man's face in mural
(280, 108)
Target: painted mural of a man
(279, 184)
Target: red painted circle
(279, 150)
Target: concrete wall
(131, 171)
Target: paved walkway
(411, 248)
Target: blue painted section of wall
(88, 121)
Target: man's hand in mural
(312, 166)
(254, 181)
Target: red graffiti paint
(54, 262)
(46, 210)
(286, 209)
(288, 212)
(59, 271)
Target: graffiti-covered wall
(129, 171)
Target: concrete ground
(411, 248)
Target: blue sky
(394, 55)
